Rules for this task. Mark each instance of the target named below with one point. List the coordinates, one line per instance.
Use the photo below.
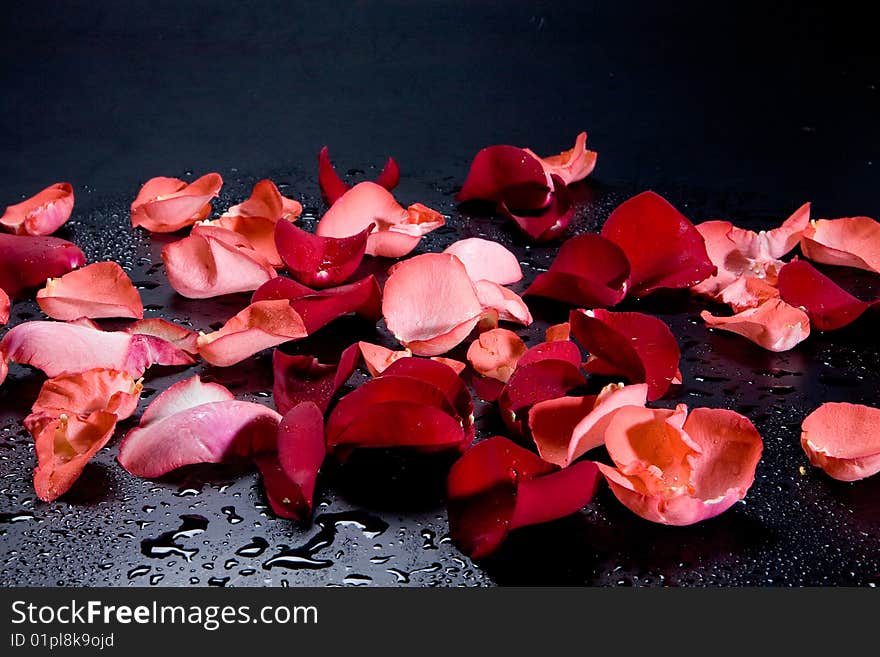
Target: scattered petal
(495, 353)
(317, 261)
(5, 306)
(559, 350)
(26, 261)
(507, 303)
(549, 223)
(849, 242)
(165, 205)
(455, 365)
(558, 332)
(332, 186)
(572, 165)
(101, 289)
(258, 233)
(379, 358)
(774, 325)
(113, 391)
(41, 214)
(486, 260)
(266, 202)
(300, 379)
(843, 440)
(746, 292)
(533, 383)
(829, 306)
(180, 336)
(507, 175)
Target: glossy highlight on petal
(843, 439)
(165, 205)
(773, 325)
(829, 306)
(26, 261)
(664, 249)
(849, 242)
(317, 261)
(101, 289)
(495, 353)
(41, 214)
(486, 260)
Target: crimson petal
(829, 306)
(301, 379)
(5, 305)
(549, 223)
(533, 383)
(27, 261)
(319, 261)
(508, 175)
(333, 187)
(557, 350)
(664, 249)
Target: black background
(740, 110)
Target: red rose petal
(495, 353)
(41, 214)
(634, 345)
(508, 175)
(27, 262)
(774, 325)
(572, 165)
(261, 325)
(316, 261)
(558, 350)
(589, 270)
(549, 223)
(378, 358)
(533, 383)
(830, 307)
(213, 261)
(112, 391)
(165, 205)
(664, 249)
(290, 470)
(332, 186)
(555, 495)
(5, 306)
(843, 439)
(849, 242)
(400, 424)
(300, 379)
(101, 289)
(180, 336)
(507, 303)
(266, 202)
(486, 260)
(426, 317)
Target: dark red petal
(289, 471)
(485, 388)
(331, 184)
(300, 379)
(547, 224)
(508, 175)
(317, 261)
(389, 177)
(589, 270)
(400, 424)
(530, 384)
(634, 345)
(26, 261)
(558, 350)
(5, 305)
(829, 306)
(555, 495)
(664, 249)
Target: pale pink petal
(723, 254)
(184, 395)
(495, 353)
(41, 214)
(508, 304)
(774, 325)
(101, 289)
(768, 245)
(486, 260)
(850, 242)
(843, 439)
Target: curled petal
(829, 306)
(495, 353)
(589, 270)
(559, 350)
(558, 332)
(261, 325)
(27, 261)
(507, 303)
(289, 471)
(165, 205)
(849, 242)
(266, 202)
(843, 440)
(772, 244)
(634, 345)
(572, 165)
(180, 336)
(486, 260)
(774, 325)
(41, 214)
(300, 379)
(183, 396)
(533, 383)
(508, 175)
(5, 305)
(212, 261)
(548, 223)
(379, 358)
(64, 445)
(59, 348)
(723, 253)
(101, 289)
(332, 186)
(319, 261)
(113, 391)
(746, 292)
(430, 304)
(258, 233)
(664, 249)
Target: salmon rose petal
(59, 348)
(165, 205)
(101, 289)
(849, 242)
(495, 353)
(664, 249)
(5, 306)
(774, 325)
(485, 260)
(430, 304)
(507, 175)
(558, 332)
(26, 261)
(41, 214)
(317, 261)
(572, 165)
(300, 379)
(180, 336)
(265, 202)
(379, 358)
(113, 391)
(455, 365)
(290, 469)
(261, 325)
(589, 270)
(843, 439)
(332, 186)
(548, 223)
(829, 306)
(634, 345)
(507, 303)
(746, 292)
(258, 232)
(213, 261)
(768, 245)
(533, 383)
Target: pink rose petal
(165, 205)
(507, 303)
(850, 242)
(572, 165)
(495, 353)
(773, 325)
(486, 260)
(180, 336)
(843, 439)
(101, 289)
(41, 214)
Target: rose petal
(112, 391)
(319, 261)
(559, 350)
(723, 254)
(430, 304)
(165, 205)
(572, 165)
(259, 232)
(379, 358)
(180, 336)
(332, 186)
(64, 445)
(558, 332)
(507, 303)
(41, 214)
(183, 396)
(533, 383)
(213, 261)
(289, 472)
(589, 270)
(556, 495)
(774, 325)
(27, 262)
(664, 249)
(843, 440)
(772, 244)
(300, 379)
(850, 242)
(746, 292)
(265, 202)
(455, 365)
(634, 345)
(101, 289)
(319, 308)
(549, 223)
(495, 353)
(486, 260)
(59, 348)
(5, 306)
(4, 367)
(508, 175)
(829, 306)
(261, 325)
(400, 424)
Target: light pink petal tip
(41, 214)
(101, 289)
(843, 439)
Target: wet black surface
(742, 115)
